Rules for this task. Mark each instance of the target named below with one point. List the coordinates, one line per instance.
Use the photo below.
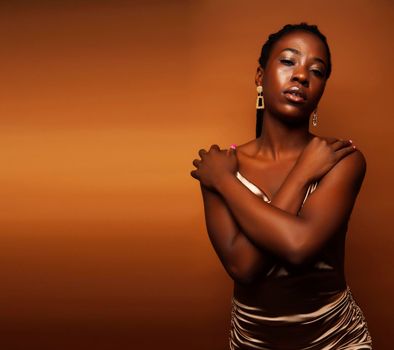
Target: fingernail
(350, 141)
(233, 146)
(354, 147)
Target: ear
(259, 76)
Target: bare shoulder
(358, 159)
(341, 186)
(354, 162)
(247, 149)
(348, 173)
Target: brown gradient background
(104, 105)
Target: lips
(295, 94)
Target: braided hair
(266, 50)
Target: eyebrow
(297, 52)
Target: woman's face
(295, 76)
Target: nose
(301, 75)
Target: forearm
(265, 225)
(291, 194)
(221, 234)
(239, 256)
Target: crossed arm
(241, 258)
(246, 231)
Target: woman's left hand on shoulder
(214, 164)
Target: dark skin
(246, 232)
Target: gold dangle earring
(260, 98)
(314, 118)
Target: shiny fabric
(339, 325)
(298, 307)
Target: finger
(215, 146)
(331, 140)
(194, 174)
(343, 152)
(196, 162)
(232, 149)
(340, 144)
(201, 152)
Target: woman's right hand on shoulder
(321, 155)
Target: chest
(266, 175)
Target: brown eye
(287, 62)
(317, 72)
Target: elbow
(299, 251)
(297, 257)
(241, 274)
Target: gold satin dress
(299, 307)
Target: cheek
(318, 90)
(276, 81)
(283, 76)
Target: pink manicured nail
(233, 146)
(350, 141)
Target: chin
(292, 115)
(293, 112)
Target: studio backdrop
(104, 106)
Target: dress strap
(311, 189)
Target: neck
(280, 140)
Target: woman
(277, 209)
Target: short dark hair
(267, 48)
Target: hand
(321, 155)
(214, 165)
